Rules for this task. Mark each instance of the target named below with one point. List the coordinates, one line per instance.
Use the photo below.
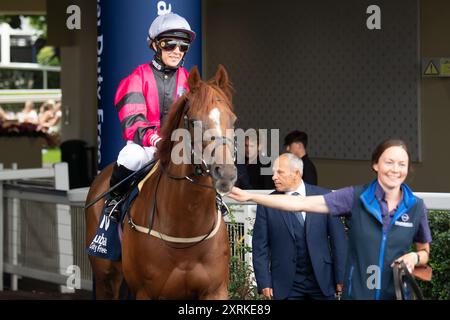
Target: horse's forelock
(201, 101)
(205, 99)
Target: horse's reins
(200, 170)
(166, 238)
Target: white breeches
(134, 157)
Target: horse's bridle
(200, 169)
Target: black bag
(406, 287)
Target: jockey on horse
(143, 99)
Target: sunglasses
(171, 44)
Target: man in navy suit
(301, 255)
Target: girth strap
(168, 238)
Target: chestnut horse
(175, 242)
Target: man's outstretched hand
(239, 194)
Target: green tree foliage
(39, 23)
(242, 285)
(13, 21)
(46, 56)
(439, 286)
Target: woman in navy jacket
(384, 219)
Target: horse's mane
(201, 100)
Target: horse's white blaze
(214, 115)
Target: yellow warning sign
(445, 67)
(431, 70)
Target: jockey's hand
(158, 144)
(410, 260)
(239, 194)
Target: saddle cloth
(107, 242)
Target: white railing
(23, 95)
(44, 227)
(24, 67)
(13, 234)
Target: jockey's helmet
(170, 25)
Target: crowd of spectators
(29, 122)
(47, 120)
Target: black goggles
(171, 44)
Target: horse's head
(205, 114)
(210, 105)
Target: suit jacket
(274, 252)
(309, 174)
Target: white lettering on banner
(163, 7)
(99, 12)
(374, 20)
(99, 134)
(99, 83)
(74, 20)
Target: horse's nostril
(217, 171)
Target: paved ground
(30, 289)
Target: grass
(50, 156)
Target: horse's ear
(222, 81)
(221, 77)
(194, 79)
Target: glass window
(21, 79)
(21, 49)
(53, 80)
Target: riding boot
(115, 197)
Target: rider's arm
(131, 106)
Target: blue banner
(122, 46)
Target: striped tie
(299, 214)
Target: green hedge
(439, 286)
(242, 285)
